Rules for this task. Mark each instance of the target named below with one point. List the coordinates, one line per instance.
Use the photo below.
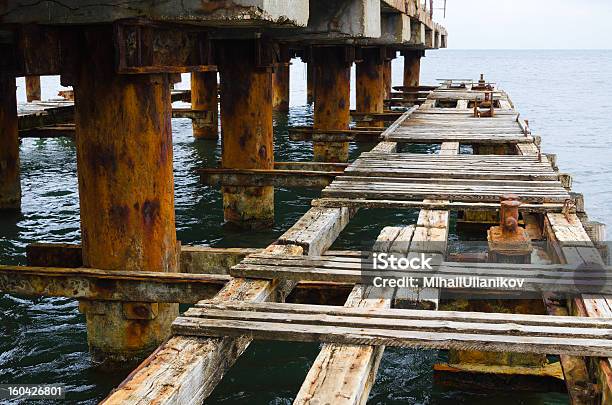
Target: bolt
(509, 215)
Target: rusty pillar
(310, 80)
(174, 78)
(280, 87)
(412, 68)
(387, 78)
(32, 88)
(204, 97)
(126, 190)
(370, 83)
(10, 184)
(332, 100)
(247, 132)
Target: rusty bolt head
(509, 216)
(509, 197)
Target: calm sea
(564, 94)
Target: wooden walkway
(55, 118)
(401, 328)
(355, 270)
(209, 337)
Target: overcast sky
(527, 24)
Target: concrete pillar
(332, 100)
(280, 87)
(247, 132)
(204, 97)
(126, 191)
(387, 78)
(10, 185)
(412, 67)
(32, 88)
(310, 87)
(370, 83)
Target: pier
(130, 272)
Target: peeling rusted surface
(370, 84)
(310, 87)
(246, 123)
(204, 97)
(10, 185)
(32, 88)
(280, 87)
(412, 68)
(124, 155)
(332, 101)
(387, 78)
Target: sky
(527, 24)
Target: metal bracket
(143, 47)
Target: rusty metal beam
(280, 87)
(332, 99)
(262, 178)
(146, 47)
(127, 214)
(110, 285)
(370, 83)
(32, 88)
(246, 122)
(10, 182)
(412, 67)
(204, 105)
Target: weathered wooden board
(190, 376)
(536, 278)
(345, 374)
(401, 328)
(317, 230)
(355, 203)
(567, 237)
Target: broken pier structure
(122, 63)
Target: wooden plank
(56, 131)
(311, 166)
(343, 374)
(478, 139)
(317, 229)
(356, 203)
(109, 285)
(185, 370)
(354, 134)
(561, 230)
(563, 335)
(262, 177)
(536, 278)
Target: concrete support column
(204, 97)
(247, 132)
(10, 184)
(126, 191)
(32, 88)
(412, 68)
(280, 87)
(310, 80)
(370, 83)
(332, 100)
